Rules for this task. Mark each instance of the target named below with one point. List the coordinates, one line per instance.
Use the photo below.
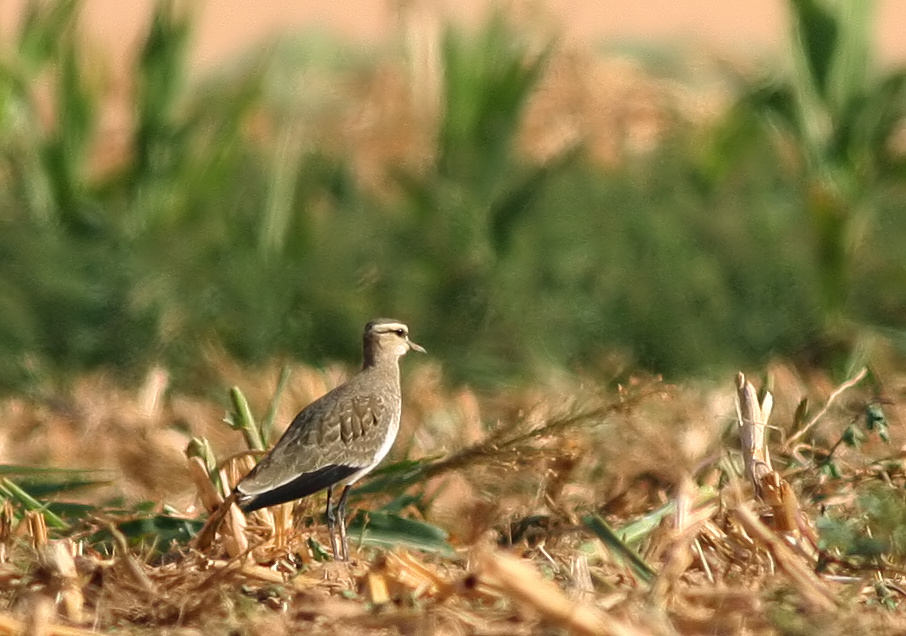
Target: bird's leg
(332, 524)
(341, 510)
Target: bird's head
(386, 338)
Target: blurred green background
(246, 211)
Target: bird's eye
(400, 333)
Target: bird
(337, 439)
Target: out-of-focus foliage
(224, 217)
(837, 121)
(874, 528)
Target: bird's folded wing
(302, 486)
(328, 439)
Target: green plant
(227, 217)
(462, 212)
(872, 530)
(837, 115)
(83, 247)
(28, 489)
(872, 419)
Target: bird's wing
(329, 438)
(301, 486)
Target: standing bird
(337, 439)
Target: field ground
(525, 484)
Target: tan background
(723, 26)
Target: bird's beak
(416, 347)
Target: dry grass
(516, 476)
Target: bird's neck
(381, 360)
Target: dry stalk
(37, 528)
(41, 616)
(132, 566)
(769, 485)
(152, 392)
(678, 553)
(812, 588)
(583, 588)
(57, 557)
(205, 536)
(259, 573)
(853, 381)
(376, 588)
(399, 570)
(525, 585)
(9, 624)
(208, 494)
(752, 417)
(409, 571)
(779, 495)
(235, 540)
(506, 441)
(697, 547)
(6, 528)
(283, 524)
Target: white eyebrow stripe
(391, 326)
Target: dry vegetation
(573, 507)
